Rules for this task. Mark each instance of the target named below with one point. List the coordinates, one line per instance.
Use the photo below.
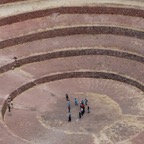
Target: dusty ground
(40, 114)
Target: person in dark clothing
(69, 109)
(82, 102)
(86, 101)
(82, 112)
(69, 117)
(80, 115)
(16, 62)
(9, 107)
(67, 97)
(83, 107)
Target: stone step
(55, 21)
(68, 31)
(108, 42)
(38, 6)
(75, 41)
(121, 66)
(16, 81)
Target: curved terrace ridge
(91, 30)
(66, 75)
(73, 10)
(72, 53)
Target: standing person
(83, 106)
(69, 117)
(16, 62)
(82, 111)
(69, 109)
(76, 101)
(86, 101)
(9, 107)
(67, 97)
(9, 104)
(68, 102)
(88, 109)
(82, 102)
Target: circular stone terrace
(87, 49)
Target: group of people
(83, 105)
